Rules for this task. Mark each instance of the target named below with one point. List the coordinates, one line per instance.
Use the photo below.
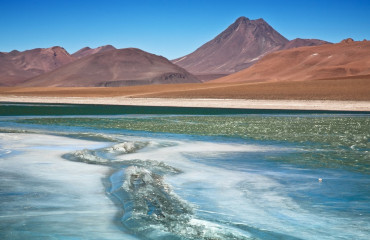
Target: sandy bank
(211, 103)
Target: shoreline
(328, 105)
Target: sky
(171, 28)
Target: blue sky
(171, 28)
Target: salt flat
(209, 103)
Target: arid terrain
(15, 66)
(348, 58)
(241, 45)
(87, 51)
(249, 60)
(121, 67)
(348, 88)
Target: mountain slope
(236, 48)
(241, 45)
(299, 42)
(16, 66)
(347, 58)
(119, 67)
(86, 51)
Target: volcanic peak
(237, 47)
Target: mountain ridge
(131, 66)
(344, 59)
(87, 51)
(17, 66)
(238, 47)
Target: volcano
(241, 45)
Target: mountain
(238, 47)
(299, 42)
(86, 51)
(16, 66)
(114, 68)
(241, 45)
(348, 58)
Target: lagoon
(88, 172)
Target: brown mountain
(86, 51)
(236, 48)
(16, 66)
(119, 67)
(299, 42)
(241, 45)
(347, 58)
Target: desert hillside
(87, 51)
(241, 45)
(348, 88)
(348, 58)
(121, 67)
(16, 66)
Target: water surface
(182, 173)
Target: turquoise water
(74, 172)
